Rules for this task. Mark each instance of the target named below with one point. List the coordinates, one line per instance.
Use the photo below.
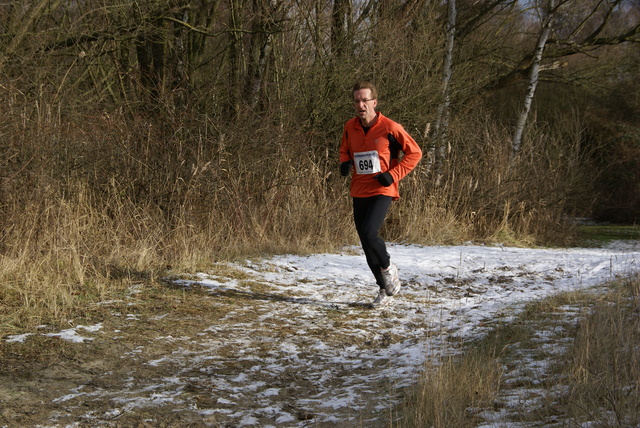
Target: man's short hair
(363, 84)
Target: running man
(370, 148)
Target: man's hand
(385, 179)
(345, 168)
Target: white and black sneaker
(391, 280)
(381, 299)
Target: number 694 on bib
(367, 162)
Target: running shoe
(381, 299)
(391, 280)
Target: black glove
(345, 168)
(385, 179)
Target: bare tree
(268, 20)
(18, 34)
(571, 39)
(546, 24)
(340, 24)
(442, 115)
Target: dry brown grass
(448, 389)
(604, 364)
(595, 380)
(92, 202)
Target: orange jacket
(372, 153)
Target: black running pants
(368, 215)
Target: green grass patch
(608, 233)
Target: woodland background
(143, 136)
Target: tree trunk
(442, 117)
(150, 52)
(236, 56)
(259, 49)
(339, 24)
(22, 30)
(533, 76)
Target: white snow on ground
(340, 360)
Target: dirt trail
(225, 357)
(287, 342)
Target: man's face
(364, 105)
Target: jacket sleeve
(345, 153)
(411, 150)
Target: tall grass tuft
(450, 390)
(592, 376)
(604, 364)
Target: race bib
(367, 162)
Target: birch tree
(577, 36)
(547, 22)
